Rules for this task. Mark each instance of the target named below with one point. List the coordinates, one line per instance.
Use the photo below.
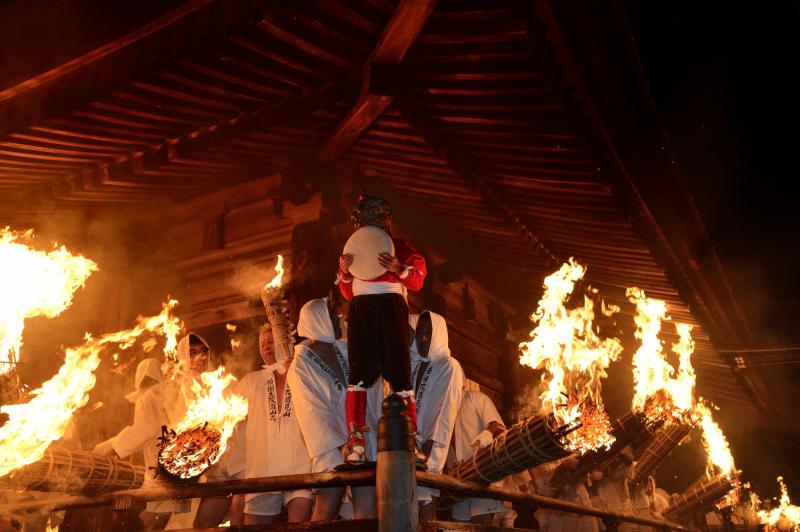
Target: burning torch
(277, 308)
(527, 444)
(630, 429)
(663, 444)
(702, 494)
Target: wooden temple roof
(522, 131)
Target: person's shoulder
(251, 378)
(446, 362)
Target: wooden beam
(403, 28)
(102, 68)
(163, 491)
(477, 182)
(474, 489)
(100, 180)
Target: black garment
(377, 341)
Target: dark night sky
(725, 79)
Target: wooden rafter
(403, 28)
(91, 181)
(477, 182)
(104, 67)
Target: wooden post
(122, 513)
(611, 524)
(395, 480)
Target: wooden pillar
(314, 264)
(316, 245)
(395, 478)
(611, 524)
(508, 360)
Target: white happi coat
(318, 391)
(437, 381)
(319, 398)
(273, 440)
(613, 493)
(162, 404)
(475, 414)
(477, 411)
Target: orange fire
(659, 391)
(33, 283)
(574, 359)
(34, 425)
(718, 451)
(278, 279)
(214, 411)
(786, 515)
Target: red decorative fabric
(407, 256)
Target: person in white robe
(231, 466)
(477, 424)
(162, 404)
(553, 521)
(437, 380)
(274, 443)
(318, 381)
(613, 489)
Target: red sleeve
(345, 283)
(414, 262)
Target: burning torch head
(372, 210)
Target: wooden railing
(395, 478)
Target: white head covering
(315, 321)
(149, 367)
(439, 340)
(471, 386)
(183, 351)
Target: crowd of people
(320, 410)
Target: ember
(201, 437)
(187, 455)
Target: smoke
(248, 279)
(529, 402)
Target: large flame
(33, 283)
(718, 451)
(786, 514)
(659, 391)
(213, 411)
(34, 425)
(574, 359)
(278, 279)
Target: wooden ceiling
(494, 125)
